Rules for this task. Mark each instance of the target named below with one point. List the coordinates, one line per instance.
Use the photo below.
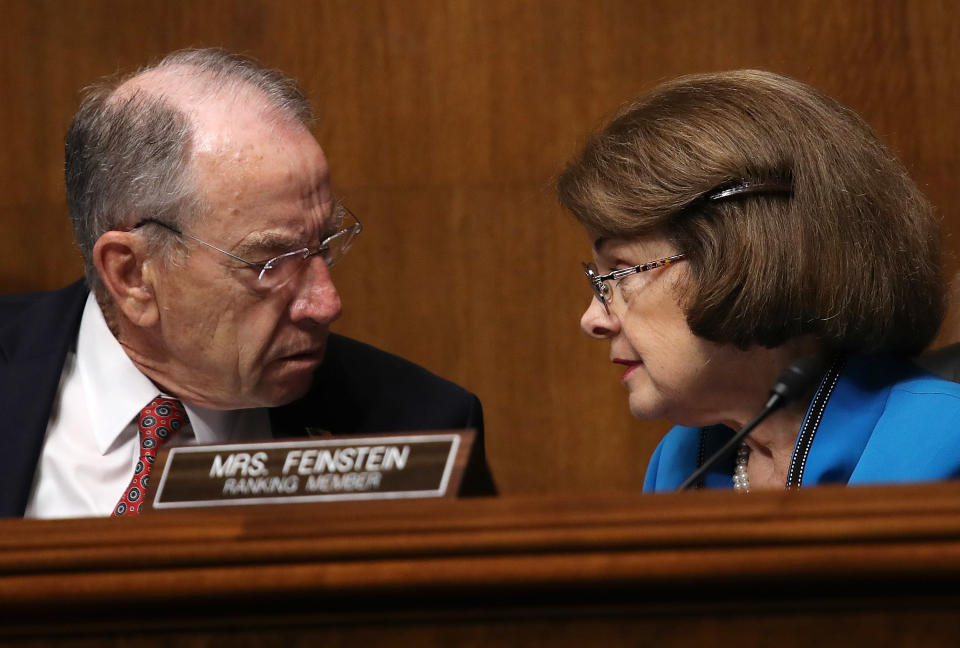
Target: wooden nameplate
(367, 467)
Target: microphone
(795, 380)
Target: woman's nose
(597, 322)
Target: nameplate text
(395, 466)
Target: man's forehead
(245, 159)
(261, 160)
(238, 153)
(265, 193)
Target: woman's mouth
(630, 364)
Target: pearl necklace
(741, 481)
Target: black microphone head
(797, 378)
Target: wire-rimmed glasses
(599, 283)
(603, 290)
(277, 271)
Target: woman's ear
(122, 262)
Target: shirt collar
(114, 388)
(116, 391)
(228, 426)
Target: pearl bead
(741, 480)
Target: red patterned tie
(157, 422)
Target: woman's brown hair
(850, 255)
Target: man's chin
(289, 378)
(288, 386)
(287, 389)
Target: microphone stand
(793, 382)
(776, 402)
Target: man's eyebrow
(263, 241)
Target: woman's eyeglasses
(600, 283)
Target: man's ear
(121, 260)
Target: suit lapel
(33, 347)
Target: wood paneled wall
(446, 122)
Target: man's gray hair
(127, 154)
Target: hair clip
(746, 187)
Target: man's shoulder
(362, 389)
(357, 361)
(30, 321)
(18, 302)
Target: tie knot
(160, 420)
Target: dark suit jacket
(357, 390)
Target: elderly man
(203, 209)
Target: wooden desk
(864, 566)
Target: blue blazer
(357, 390)
(874, 419)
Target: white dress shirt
(92, 444)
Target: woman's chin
(643, 409)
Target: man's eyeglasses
(599, 282)
(280, 269)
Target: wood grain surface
(446, 122)
(831, 566)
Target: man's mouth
(309, 355)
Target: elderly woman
(740, 221)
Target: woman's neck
(771, 448)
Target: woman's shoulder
(901, 374)
(673, 459)
(900, 394)
(680, 452)
(943, 362)
(911, 381)
(916, 437)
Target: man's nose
(317, 298)
(597, 322)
